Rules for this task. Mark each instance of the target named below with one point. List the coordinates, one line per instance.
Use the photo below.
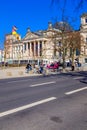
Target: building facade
(83, 32)
(39, 46)
(8, 46)
(1, 56)
(34, 47)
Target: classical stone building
(8, 46)
(39, 46)
(34, 47)
(83, 32)
(1, 56)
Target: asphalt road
(56, 102)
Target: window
(36, 49)
(40, 48)
(60, 53)
(65, 51)
(86, 20)
(85, 60)
(86, 40)
(77, 52)
(25, 46)
(59, 43)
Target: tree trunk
(64, 58)
(73, 65)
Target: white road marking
(78, 77)
(75, 91)
(34, 85)
(26, 106)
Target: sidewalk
(15, 72)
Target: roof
(62, 26)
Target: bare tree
(78, 4)
(61, 44)
(72, 40)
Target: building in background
(8, 45)
(1, 56)
(39, 46)
(35, 47)
(83, 32)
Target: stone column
(38, 52)
(34, 49)
(23, 48)
(43, 48)
(22, 51)
(27, 49)
(85, 50)
(38, 48)
(27, 46)
(30, 50)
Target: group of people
(36, 68)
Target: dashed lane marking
(2, 114)
(34, 85)
(75, 91)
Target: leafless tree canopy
(77, 3)
(69, 39)
(63, 26)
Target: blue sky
(32, 13)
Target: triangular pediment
(30, 35)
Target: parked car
(53, 66)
